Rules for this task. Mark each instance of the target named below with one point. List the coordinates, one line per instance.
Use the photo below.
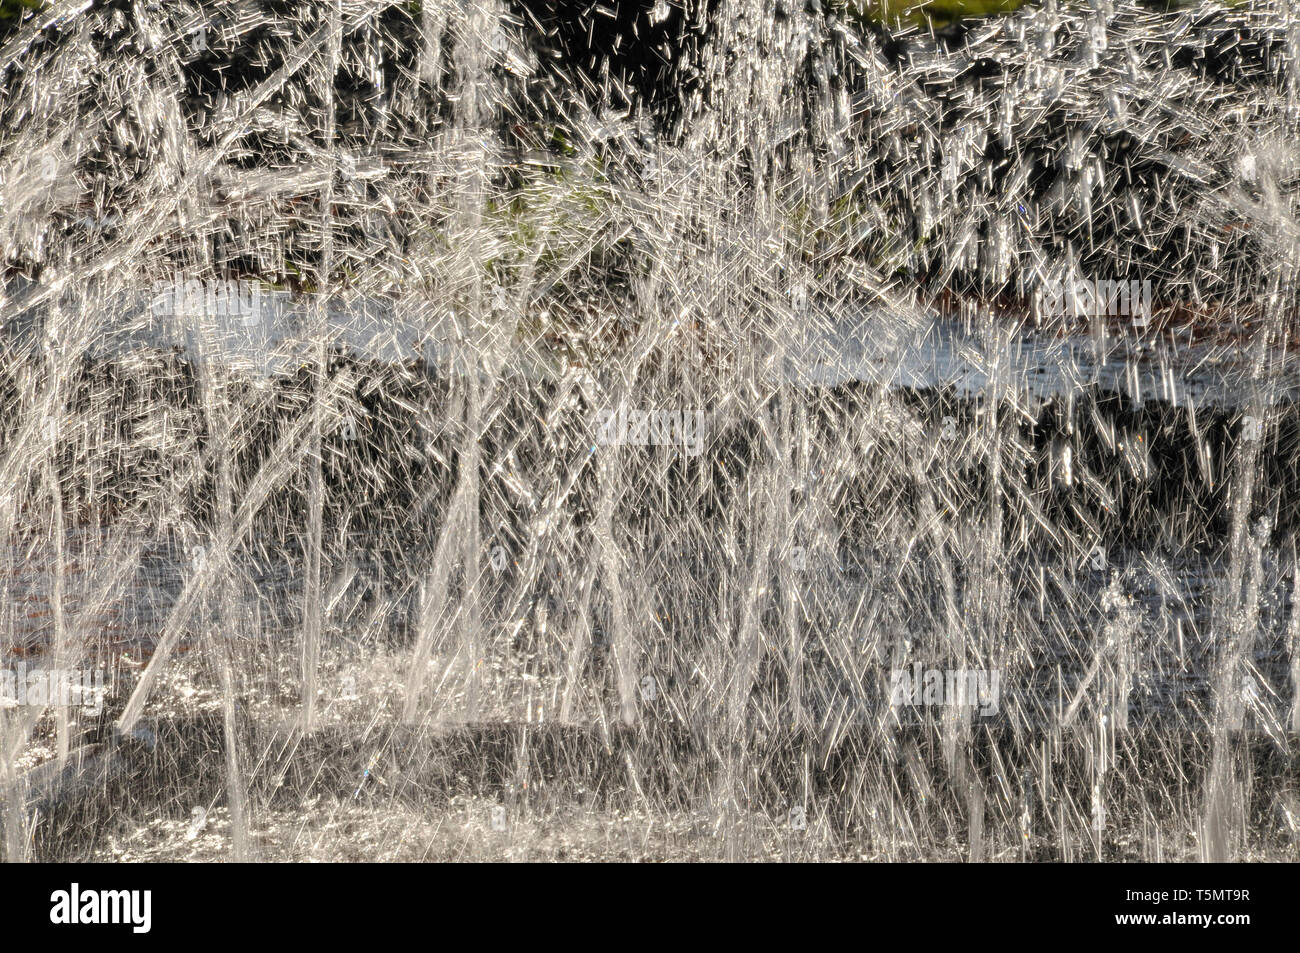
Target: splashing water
(802, 435)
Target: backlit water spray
(719, 430)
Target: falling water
(724, 430)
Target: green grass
(947, 11)
(11, 11)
